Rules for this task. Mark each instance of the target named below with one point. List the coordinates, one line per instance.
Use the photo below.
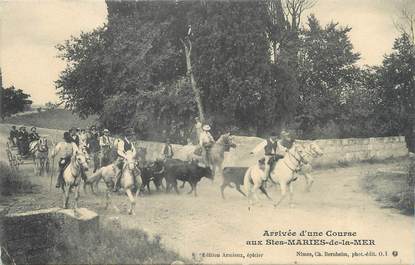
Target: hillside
(53, 119)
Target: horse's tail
(247, 180)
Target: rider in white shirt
(123, 145)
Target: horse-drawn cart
(37, 156)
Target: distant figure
(206, 142)
(167, 152)
(196, 131)
(13, 135)
(33, 136)
(93, 146)
(23, 141)
(74, 136)
(105, 144)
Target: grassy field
(394, 189)
(53, 119)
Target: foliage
(131, 72)
(14, 100)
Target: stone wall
(32, 237)
(335, 150)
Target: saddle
(273, 161)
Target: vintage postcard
(207, 132)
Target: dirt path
(208, 225)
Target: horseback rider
(33, 136)
(93, 145)
(123, 145)
(105, 146)
(206, 142)
(274, 149)
(66, 149)
(74, 136)
(167, 152)
(13, 135)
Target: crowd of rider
(98, 146)
(21, 138)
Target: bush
(116, 246)
(12, 182)
(406, 202)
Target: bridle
(299, 159)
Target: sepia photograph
(207, 132)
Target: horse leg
(283, 193)
(238, 188)
(132, 202)
(290, 188)
(310, 180)
(182, 186)
(76, 197)
(255, 191)
(262, 188)
(222, 189)
(66, 197)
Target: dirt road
(208, 226)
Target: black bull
(185, 171)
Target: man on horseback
(93, 146)
(105, 147)
(66, 149)
(206, 142)
(123, 145)
(74, 136)
(274, 149)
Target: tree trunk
(196, 91)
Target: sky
(30, 30)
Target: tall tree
(326, 71)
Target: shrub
(116, 246)
(406, 202)
(12, 182)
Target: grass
(13, 182)
(54, 119)
(393, 189)
(116, 246)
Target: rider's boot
(117, 180)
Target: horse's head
(81, 160)
(315, 150)
(130, 162)
(43, 144)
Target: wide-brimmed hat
(206, 127)
(22, 126)
(33, 128)
(106, 130)
(129, 131)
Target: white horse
(284, 170)
(127, 180)
(72, 176)
(39, 150)
(311, 151)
